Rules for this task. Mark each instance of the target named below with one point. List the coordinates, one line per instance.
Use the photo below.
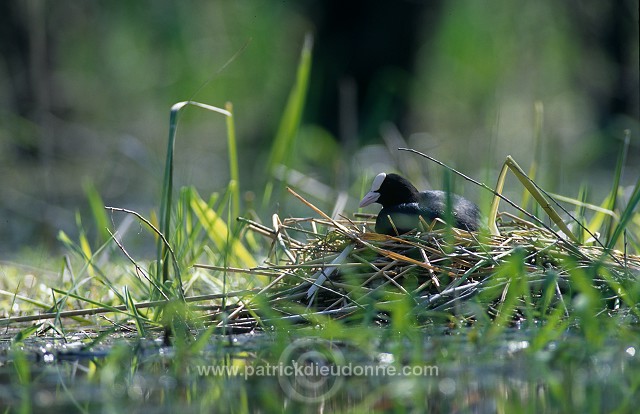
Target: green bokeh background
(86, 88)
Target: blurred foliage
(486, 66)
(86, 87)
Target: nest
(338, 268)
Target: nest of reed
(340, 269)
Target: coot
(403, 204)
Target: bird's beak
(370, 197)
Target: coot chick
(402, 202)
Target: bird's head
(390, 189)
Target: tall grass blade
(165, 201)
(97, 210)
(22, 367)
(613, 197)
(131, 307)
(537, 157)
(626, 215)
(289, 124)
(234, 180)
(167, 186)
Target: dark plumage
(404, 204)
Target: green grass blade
(626, 215)
(514, 272)
(218, 232)
(167, 186)
(83, 250)
(613, 200)
(26, 332)
(555, 325)
(624, 292)
(538, 127)
(97, 210)
(22, 367)
(597, 222)
(586, 304)
(25, 299)
(94, 302)
(131, 306)
(289, 124)
(579, 214)
(234, 182)
(165, 201)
